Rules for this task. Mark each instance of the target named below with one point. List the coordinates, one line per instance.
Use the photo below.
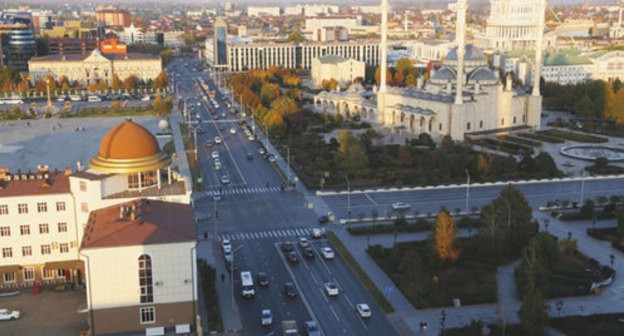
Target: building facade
(263, 11)
(243, 57)
(94, 67)
(114, 17)
(343, 70)
(69, 45)
(220, 50)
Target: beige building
(344, 70)
(93, 67)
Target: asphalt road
(258, 216)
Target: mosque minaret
(383, 60)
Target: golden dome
(129, 148)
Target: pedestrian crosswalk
(284, 233)
(242, 191)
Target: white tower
(537, 74)
(383, 50)
(460, 31)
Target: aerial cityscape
(378, 167)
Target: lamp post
(348, 198)
(287, 164)
(467, 189)
(582, 186)
(48, 90)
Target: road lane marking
(371, 199)
(349, 300)
(334, 312)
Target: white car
(363, 310)
(216, 195)
(94, 99)
(261, 151)
(226, 244)
(218, 140)
(267, 317)
(228, 256)
(272, 158)
(146, 98)
(328, 253)
(233, 130)
(331, 289)
(397, 206)
(9, 315)
(303, 242)
(251, 137)
(214, 154)
(225, 179)
(75, 97)
(318, 233)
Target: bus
(248, 285)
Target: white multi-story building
(311, 9)
(343, 70)
(263, 11)
(512, 25)
(353, 25)
(243, 57)
(430, 50)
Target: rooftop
(30, 184)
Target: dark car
(288, 246)
(292, 257)
(263, 279)
(308, 252)
(323, 219)
(290, 290)
(249, 156)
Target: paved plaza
(58, 143)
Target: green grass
(572, 275)
(208, 277)
(360, 274)
(112, 112)
(596, 325)
(573, 136)
(427, 282)
(541, 137)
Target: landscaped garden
(596, 325)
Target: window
(29, 274)
(145, 279)
(22, 208)
(4, 209)
(84, 207)
(468, 126)
(64, 247)
(62, 227)
(48, 273)
(60, 273)
(148, 315)
(26, 251)
(9, 277)
(45, 249)
(24, 230)
(83, 186)
(42, 207)
(44, 228)
(481, 124)
(5, 231)
(503, 122)
(60, 206)
(7, 252)
(514, 120)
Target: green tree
(268, 93)
(587, 209)
(43, 48)
(444, 237)
(404, 65)
(351, 156)
(295, 37)
(618, 107)
(533, 314)
(584, 107)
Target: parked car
(249, 156)
(94, 99)
(147, 98)
(9, 315)
(233, 130)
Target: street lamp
(287, 163)
(348, 197)
(467, 189)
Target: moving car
(249, 156)
(290, 290)
(214, 154)
(292, 257)
(263, 279)
(331, 289)
(267, 317)
(311, 328)
(328, 253)
(225, 179)
(397, 206)
(216, 195)
(9, 315)
(272, 158)
(226, 244)
(218, 140)
(363, 310)
(287, 246)
(318, 233)
(233, 130)
(323, 219)
(308, 252)
(303, 242)
(261, 151)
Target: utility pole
(467, 190)
(348, 197)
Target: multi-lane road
(258, 216)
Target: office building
(220, 51)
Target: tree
(131, 82)
(444, 237)
(378, 76)
(295, 37)
(43, 48)
(609, 100)
(410, 80)
(268, 93)
(161, 81)
(618, 108)
(64, 83)
(533, 275)
(287, 108)
(23, 87)
(101, 85)
(159, 105)
(117, 83)
(507, 224)
(49, 80)
(329, 84)
(351, 156)
(404, 65)
(587, 209)
(399, 79)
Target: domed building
(465, 97)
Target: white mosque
(464, 97)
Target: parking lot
(46, 313)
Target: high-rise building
(18, 40)
(220, 43)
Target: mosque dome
(129, 148)
(472, 54)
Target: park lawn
(428, 283)
(596, 325)
(112, 112)
(208, 278)
(578, 137)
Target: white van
(94, 99)
(248, 290)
